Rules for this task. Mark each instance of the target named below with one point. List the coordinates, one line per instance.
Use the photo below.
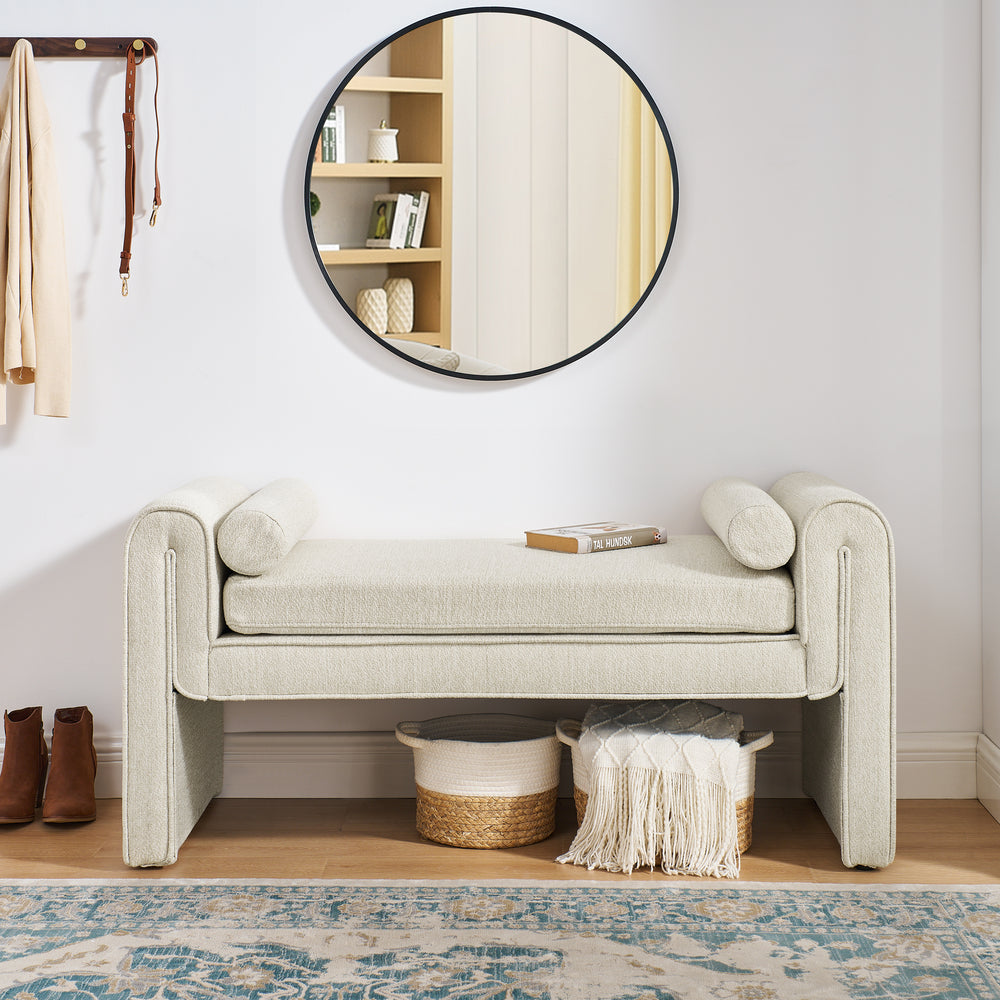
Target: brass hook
(124, 278)
(152, 215)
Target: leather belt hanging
(128, 120)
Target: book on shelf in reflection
(397, 220)
(418, 216)
(599, 536)
(389, 221)
(331, 147)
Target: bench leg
(849, 768)
(171, 769)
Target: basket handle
(408, 733)
(568, 731)
(763, 740)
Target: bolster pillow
(752, 525)
(262, 530)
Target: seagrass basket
(568, 732)
(484, 781)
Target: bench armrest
(173, 579)
(844, 576)
(172, 746)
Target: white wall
(991, 372)
(989, 765)
(819, 310)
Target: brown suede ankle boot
(69, 794)
(25, 761)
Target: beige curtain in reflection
(645, 196)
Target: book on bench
(601, 536)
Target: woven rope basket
(568, 731)
(485, 781)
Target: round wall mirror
(491, 193)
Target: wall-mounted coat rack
(134, 51)
(90, 48)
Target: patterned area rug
(170, 939)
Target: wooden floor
(938, 841)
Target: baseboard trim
(108, 784)
(316, 765)
(988, 775)
(375, 765)
(936, 765)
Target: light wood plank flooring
(939, 841)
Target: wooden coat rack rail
(134, 51)
(89, 48)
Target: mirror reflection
(491, 194)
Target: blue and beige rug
(185, 940)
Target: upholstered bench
(790, 597)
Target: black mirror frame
(360, 64)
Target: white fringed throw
(662, 787)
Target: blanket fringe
(637, 817)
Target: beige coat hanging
(34, 313)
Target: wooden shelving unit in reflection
(419, 87)
(417, 171)
(341, 258)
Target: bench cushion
(498, 586)
(675, 665)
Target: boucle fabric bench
(792, 596)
